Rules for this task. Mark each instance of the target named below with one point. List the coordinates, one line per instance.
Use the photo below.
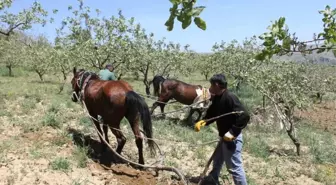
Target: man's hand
(199, 124)
(229, 137)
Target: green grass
(80, 156)
(60, 163)
(60, 112)
(320, 143)
(50, 119)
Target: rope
(165, 140)
(178, 110)
(157, 168)
(162, 140)
(162, 168)
(154, 99)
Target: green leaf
(200, 23)
(260, 56)
(180, 18)
(196, 11)
(320, 35)
(186, 22)
(281, 22)
(286, 43)
(170, 23)
(269, 42)
(175, 1)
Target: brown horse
(113, 100)
(187, 94)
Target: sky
(226, 19)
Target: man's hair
(219, 79)
(108, 65)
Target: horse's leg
(105, 129)
(190, 116)
(121, 139)
(162, 106)
(155, 104)
(162, 101)
(97, 125)
(134, 121)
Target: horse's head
(75, 83)
(80, 81)
(156, 82)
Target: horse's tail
(135, 104)
(157, 81)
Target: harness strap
(82, 83)
(86, 81)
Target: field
(47, 139)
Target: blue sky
(226, 19)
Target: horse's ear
(74, 71)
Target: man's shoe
(209, 180)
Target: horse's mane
(159, 77)
(86, 74)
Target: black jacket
(226, 103)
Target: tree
(235, 59)
(157, 57)
(41, 56)
(23, 20)
(144, 53)
(171, 59)
(206, 64)
(98, 41)
(322, 80)
(10, 47)
(278, 40)
(287, 86)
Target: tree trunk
(291, 130)
(119, 77)
(296, 142)
(264, 101)
(64, 74)
(145, 80)
(40, 75)
(239, 80)
(9, 67)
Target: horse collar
(82, 84)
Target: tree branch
(12, 28)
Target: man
(107, 74)
(229, 128)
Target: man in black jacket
(229, 128)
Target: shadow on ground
(94, 148)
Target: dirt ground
(323, 115)
(31, 153)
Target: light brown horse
(113, 100)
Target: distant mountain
(318, 58)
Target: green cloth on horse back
(105, 74)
